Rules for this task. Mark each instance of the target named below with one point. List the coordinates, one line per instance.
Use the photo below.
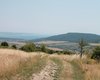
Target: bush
(37, 48)
(68, 52)
(59, 53)
(14, 46)
(50, 51)
(96, 54)
(43, 48)
(29, 47)
(4, 44)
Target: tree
(82, 43)
(14, 46)
(96, 54)
(50, 51)
(29, 47)
(5, 44)
(43, 48)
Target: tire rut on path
(47, 73)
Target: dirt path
(47, 73)
(59, 68)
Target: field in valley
(19, 65)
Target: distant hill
(19, 36)
(73, 37)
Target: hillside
(19, 65)
(73, 37)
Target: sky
(50, 17)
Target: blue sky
(50, 16)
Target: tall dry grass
(15, 64)
(10, 61)
(19, 65)
(90, 68)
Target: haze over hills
(19, 36)
(73, 37)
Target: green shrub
(14, 46)
(43, 48)
(68, 52)
(59, 53)
(4, 44)
(37, 48)
(29, 47)
(96, 54)
(50, 51)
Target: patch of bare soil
(47, 73)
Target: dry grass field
(19, 65)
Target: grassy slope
(18, 65)
(33, 67)
(77, 71)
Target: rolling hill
(73, 37)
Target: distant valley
(69, 41)
(60, 42)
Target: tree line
(31, 47)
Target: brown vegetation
(19, 65)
